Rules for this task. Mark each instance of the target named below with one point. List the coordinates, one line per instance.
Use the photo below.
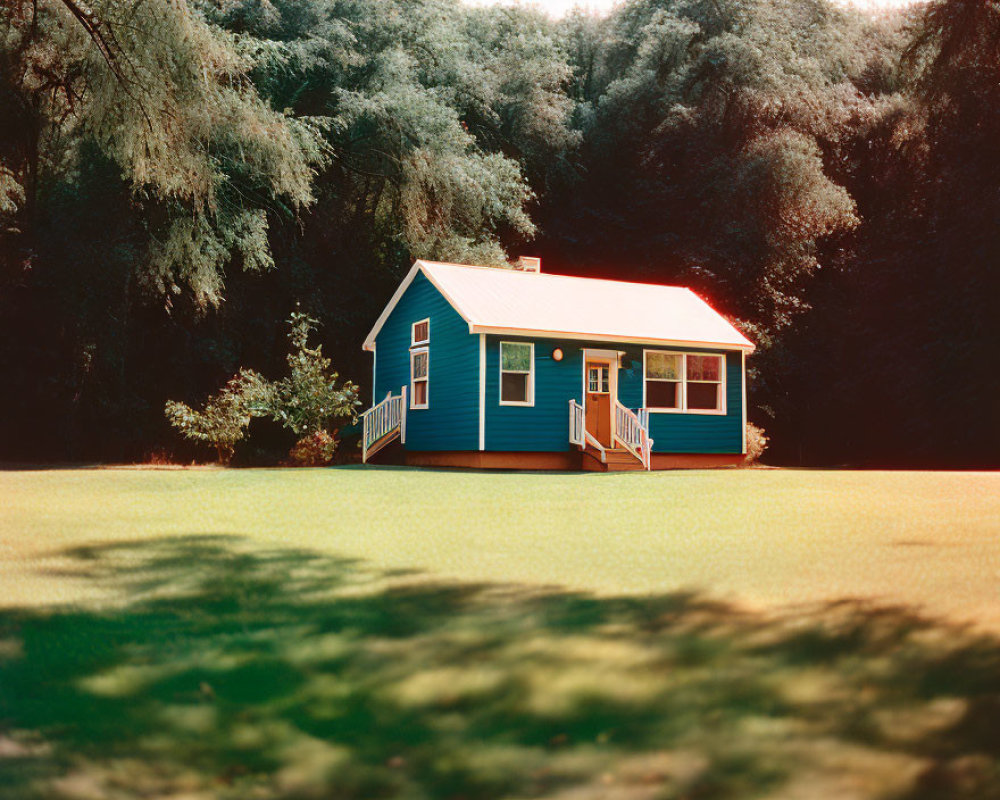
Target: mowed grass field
(363, 633)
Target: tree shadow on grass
(227, 671)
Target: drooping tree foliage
(166, 99)
(175, 174)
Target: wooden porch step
(618, 459)
(385, 441)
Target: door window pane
(598, 379)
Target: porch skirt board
(569, 460)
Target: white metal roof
(513, 302)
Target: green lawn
(363, 633)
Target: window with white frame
(420, 333)
(420, 339)
(517, 373)
(685, 382)
(419, 377)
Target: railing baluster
(379, 421)
(632, 429)
(576, 425)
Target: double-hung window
(517, 374)
(684, 382)
(420, 344)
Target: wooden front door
(598, 417)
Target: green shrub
(315, 449)
(223, 420)
(306, 402)
(756, 443)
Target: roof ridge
(514, 271)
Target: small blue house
(514, 368)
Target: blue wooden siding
(452, 420)
(545, 426)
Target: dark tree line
(176, 177)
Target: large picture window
(684, 382)
(517, 374)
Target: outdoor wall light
(557, 354)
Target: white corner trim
(482, 391)
(374, 371)
(743, 380)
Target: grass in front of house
(757, 537)
(396, 633)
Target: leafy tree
(709, 129)
(429, 104)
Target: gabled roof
(513, 302)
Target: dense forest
(178, 176)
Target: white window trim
(530, 373)
(415, 351)
(413, 333)
(683, 409)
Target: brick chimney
(528, 264)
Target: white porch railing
(577, 430)
(383, 423)
(632, 431)
(578, 433)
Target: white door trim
(609, 357)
